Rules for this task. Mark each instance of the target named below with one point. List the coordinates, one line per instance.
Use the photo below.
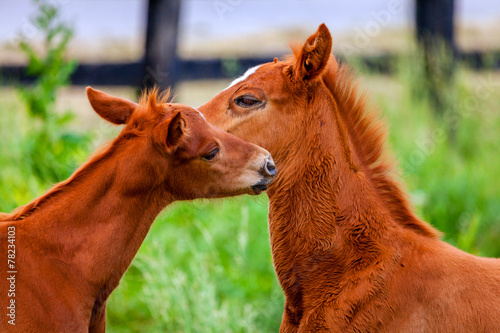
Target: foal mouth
(268, 171)
(259, 187)
(262, 185)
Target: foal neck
(327, 226)
(94, 223)
(321, 196)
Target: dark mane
(368, 134)
(147, 107)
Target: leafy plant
(50, 147)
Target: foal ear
(314, 55)
(176, 129)
(113, 109)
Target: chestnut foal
(349, 252)
(73, 244)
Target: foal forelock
(155, 97)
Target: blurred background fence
(160, 64)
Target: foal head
(272, 104)
(171, 147)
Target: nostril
(270, 168)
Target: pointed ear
(314, 55)
(113, 109)
(176, 129)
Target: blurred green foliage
(451, 163)
(48, 144)
(206, 266)
(206, 269)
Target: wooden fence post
(435, 33)
(160, 60)
(435, 20)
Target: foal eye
(246, 101)
(210, 156)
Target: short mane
(149, 101)
(154, 95)
(368, 134)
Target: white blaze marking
(200, 113)
(249, 72)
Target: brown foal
(73, 244)
(349, 253)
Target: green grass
(206, 266)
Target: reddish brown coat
(74, 243)
(349, 253)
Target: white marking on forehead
(249, 72)
(200, 113)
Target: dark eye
(246, 101)
(210, 156)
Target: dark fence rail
(162, 67)
(138, 74)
